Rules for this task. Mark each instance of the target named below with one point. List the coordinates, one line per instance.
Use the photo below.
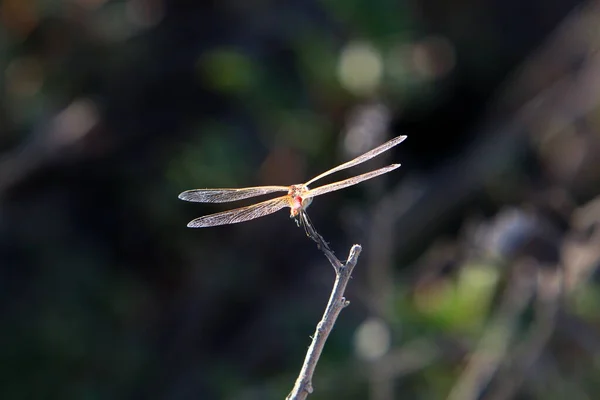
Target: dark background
(477, 273)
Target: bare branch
(337, 301)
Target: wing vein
(362, 158)
(349, 182)
(227, 195)
(241, 214)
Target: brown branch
(337, 301)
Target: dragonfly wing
(226, 195)
(241, 214)
(360, 159)
(348, 182)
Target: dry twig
(337, 301)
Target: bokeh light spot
(372, 339)
(19, 16)
(360, 68)
(434, 57)
(75, 121)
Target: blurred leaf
(587, 300)
(374, 20)
(213, 160)
(228, 71)
(318, 60)
(304, 129)
(462, 306)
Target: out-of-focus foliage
(478, 275)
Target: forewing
(241, 214)
(360, 159)
(227, 195)
(348, 182)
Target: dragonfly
(298, 197)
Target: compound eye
(306, 202)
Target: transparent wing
(360, 159)
(348, 182)
(226, 195)
(241, 214)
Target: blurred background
(477, 278)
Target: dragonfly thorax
(297, 199)
(297, 190)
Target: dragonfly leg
(321, 243)
(309, 228)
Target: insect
(298, 197)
